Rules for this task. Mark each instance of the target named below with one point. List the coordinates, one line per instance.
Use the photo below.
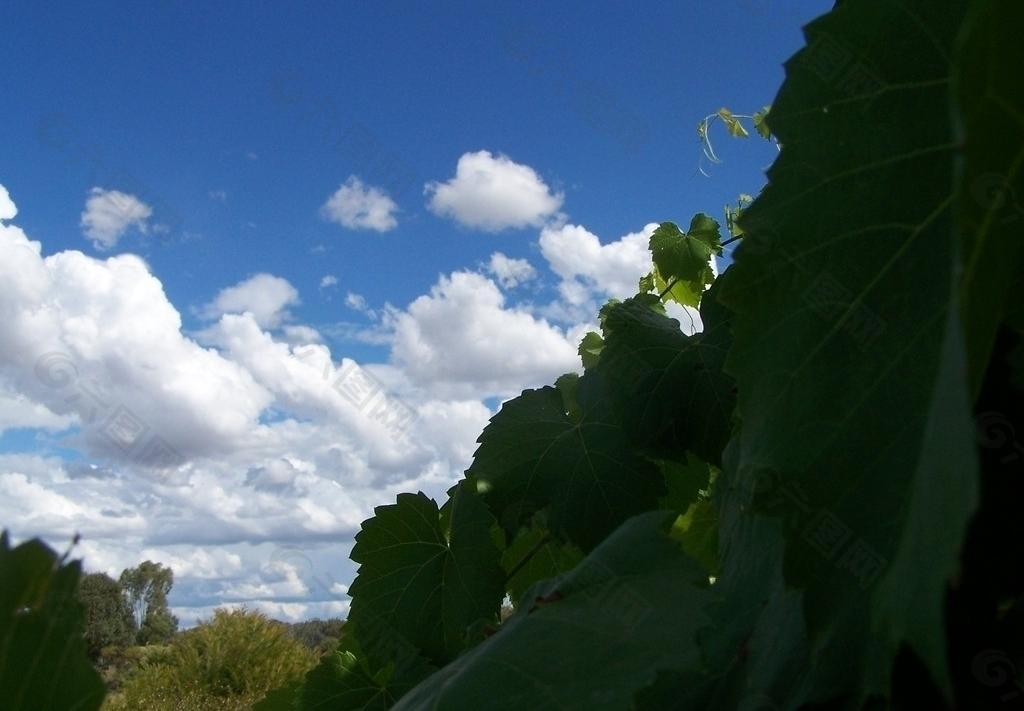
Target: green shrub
(226, 663)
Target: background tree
(146, 588)
(319, 635)
(108, 618)
(158, 627)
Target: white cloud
(298, 335)
(328, 281)
(283, 457)
(8, 210)
(358, 302)
(360, 207)
(591, 273)
(461, 339)
(510, 272)
(19, 412)
(279, 447)
(493, 193)
(109, 214)
(90, 338)
(586, 266)
(265, 296)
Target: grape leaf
(284, 698)
(684, 258)
(592, 637)
(532, 556)
(342, 681)
(697, 532)
(846, 334)
(590, 349)
(667, 388)
(534, 456)
(684, 481)
(732, 124)
(754, 650)
(419, 586)
(990, 198)
(43, 662)
(761, 123)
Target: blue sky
(227, 127)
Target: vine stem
(526, 558)
(731, 240)
(668, 288)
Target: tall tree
(146, 588)
(108, 618)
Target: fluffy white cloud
(98, 341)
(360, 207)
(510, 272)
(285, 447)
(8, 210)
(585, 265)
(493, 193)
(461, 339)
(328, 281)
(108, 214)
(265, 296)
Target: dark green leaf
(592, 638)
(990, 195)
(684, 481)
(339, 683)
(847, 349)
(43, 662)
(533, 456)
(420, 587)
(533, 557)
(668, 388)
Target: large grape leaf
(43, 662)
(667, 388)
(990, 197)
(847, 350)
(533, 455)
(420, 584)
(592, 638)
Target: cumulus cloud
(586, 266)
(298, 335)
(328, 281)
(510, 272)
(493, 193)
(8, 210)
(360, 207)
(591, 272)
(265, 296)
(286, 447)
(463, 339)
(97, 340)
(109, 214)
(19, 412)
